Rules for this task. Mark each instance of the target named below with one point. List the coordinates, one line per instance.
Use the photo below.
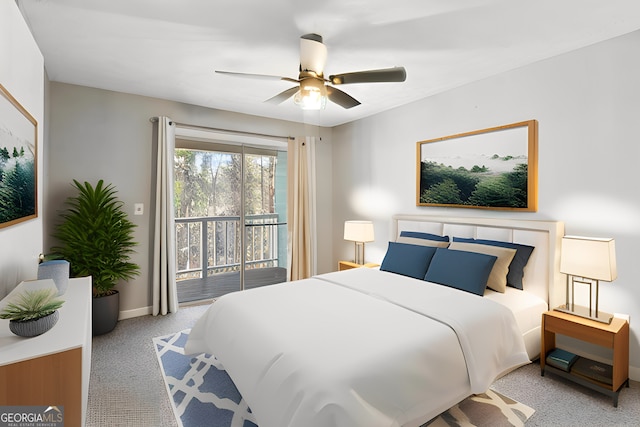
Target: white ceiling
(170, 48)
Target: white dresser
(51, 369)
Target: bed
(368, 347)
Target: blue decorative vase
(58, 270)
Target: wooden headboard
(542, 273)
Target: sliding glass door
(265, 216)
(230, 210)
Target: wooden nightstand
(347, 265)
(614, 336)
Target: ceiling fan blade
(396, 74)
(257, 76)
(341, 98)
(283, 96)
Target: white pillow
(498, 277)
(422, 242)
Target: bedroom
(585, 101)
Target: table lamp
(359, 232)
(586, 261)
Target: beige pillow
(498, 277)
(422, 242)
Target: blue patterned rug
(202, 393)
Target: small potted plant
(33, 312)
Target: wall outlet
(138, 209)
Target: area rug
(202, 393)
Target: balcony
(209, 261)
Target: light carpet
(202, 393)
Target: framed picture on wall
(18, 162)
(494, 168)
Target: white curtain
(165, 294)
(301, 208)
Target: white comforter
(360, 347)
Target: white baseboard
(137, 312)
(143, 311)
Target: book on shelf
(561, 359)
(594, 370)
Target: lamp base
(580, 311)
(359, 258)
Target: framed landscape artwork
(494, 168)
(18, 157)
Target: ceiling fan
(313, 88)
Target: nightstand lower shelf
(587, 382)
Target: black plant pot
(105, 313)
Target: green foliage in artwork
(435, 174)
(445, 192)
(494, 191)
(477, 186)
(17, 185)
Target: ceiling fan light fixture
(312, 95)
(312, 89)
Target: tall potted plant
(96, 237)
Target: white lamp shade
(589, 257)
(358, 231)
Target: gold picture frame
(18, 162)
(494, 168)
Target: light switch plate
(138, 209)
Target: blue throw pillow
(427, 236)
(516, 267)
(408, 260)
(467, 271)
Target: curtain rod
(231, 131)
